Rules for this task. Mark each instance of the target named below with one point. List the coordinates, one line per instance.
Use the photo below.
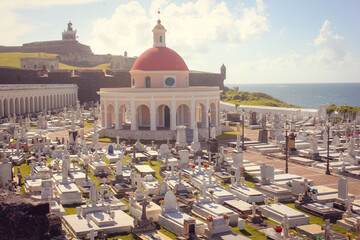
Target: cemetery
(176, 164)
(102, 189)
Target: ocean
(308, 95)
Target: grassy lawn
(320, 221)
(12, 59)
(250, 232)
(228, 135)
(88, 125)
(156, 166)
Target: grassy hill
(12, 59)
(252, 98)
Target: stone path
(317, 175)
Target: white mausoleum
(21, 99)
(159, 97)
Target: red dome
(159, 59)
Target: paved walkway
(317, 175)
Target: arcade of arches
(31, 98)
(135, 109)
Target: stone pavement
(317, 175)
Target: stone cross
(199, 162)
(172, 166)
(210, 172)
(253, 209)
(348, 202)
(91, 235)
(327, 228)
(285, 225)
(203, 190)
(144, 204)
(357, 228)
(93, 194)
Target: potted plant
(196, 194)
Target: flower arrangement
(177, 199)
(314, 191)
(206, 165)
(348, 234)
(192, 165)
(226, 216)
(351, 134)
(161, 202)
(209, 218)
(289, 183)
(196, 193)
(278, 228)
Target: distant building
(69, 34)
(40, 63)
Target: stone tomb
(173, 220)
(239, 206)
(274, 191)
(244, 192)
(97, 217)
(206, 207)
(277, 212)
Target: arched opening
(22, 106)
(6, 107)
(200, 115)
(160, 39)
(35, 104)
(110, 117)
(123, 123)
(12, 107)
(17, 106)
(1, 108)
(213, 114)
(147, 82)
(183, 115)
(163, 117)
(27, 105)
(39, 104)
(143, 117)
(31, 104)
(44, 103)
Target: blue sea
(308, 95)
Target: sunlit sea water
(308, 95)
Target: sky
(262, 41)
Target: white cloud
(12, 4)
(329, 62)
(331, 47)
(14, 27)
(192, 27)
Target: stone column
(217, 112)
(106, 113)
(173, 115)
(192, 113)
(207, 108)
(133, 115)
(116, 114)
(152, 116)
